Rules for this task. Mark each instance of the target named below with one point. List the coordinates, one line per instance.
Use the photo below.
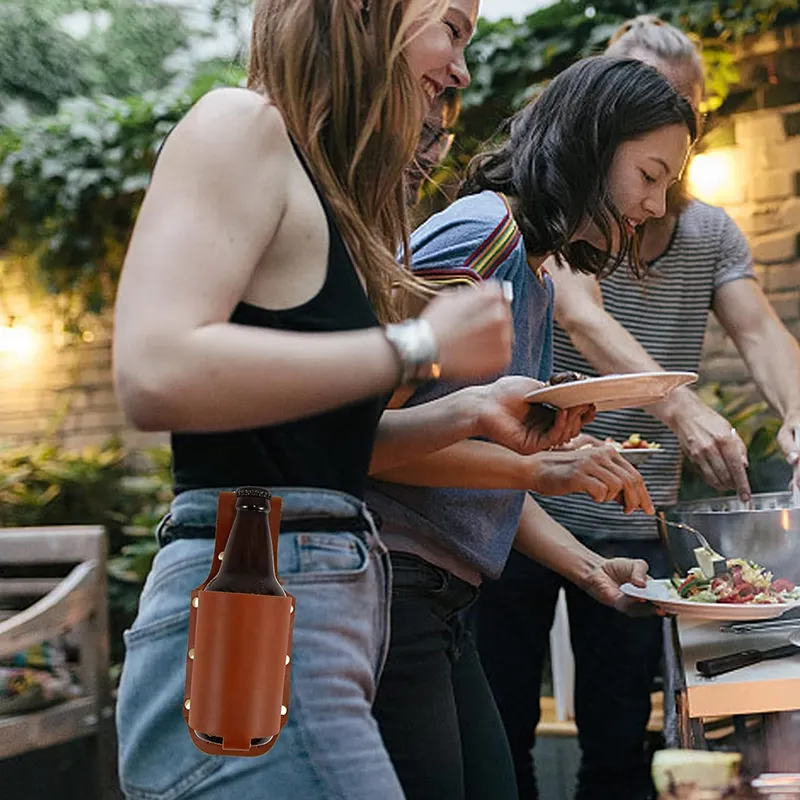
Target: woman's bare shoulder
(237, 124)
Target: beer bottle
(248, 563)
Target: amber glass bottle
(248, 563)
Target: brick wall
(63, 386)
(762, 152)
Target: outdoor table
(762, 702)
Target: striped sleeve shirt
(667, 313)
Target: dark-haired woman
(583, 165)
(699, 263)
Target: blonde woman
(698, 261)
(256, 321)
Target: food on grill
(634, 442)
(566, 377)
(741, 582)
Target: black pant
(434, 707)
(616, 660)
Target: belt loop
(160, 538)
(372, 517)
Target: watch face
(415, 345)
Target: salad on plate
(735, 581)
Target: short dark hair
(554, 165)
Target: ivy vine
(71, 184)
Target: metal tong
(787, 621)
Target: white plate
(659, 594)
(638, 455)
(610, 392)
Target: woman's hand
(474, 331)
(601, 472)
(504, 416)
(603, 583)
(582, 440)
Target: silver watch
(417, 350)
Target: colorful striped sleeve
(467, 243)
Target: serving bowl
(766, 531)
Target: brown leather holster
(239, 657)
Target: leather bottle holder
(238, 663)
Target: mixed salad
(734, 580)
(634, 442)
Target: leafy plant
(123, 49)
(510, 59)
(39, 62)
(71, 185)
(131, 55)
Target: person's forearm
(228, 377)
(610, 348)
(606, 344)
(773, 358)
(544, 540)
(407, 435)
(468, 464)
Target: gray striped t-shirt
(667, 312)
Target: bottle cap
(253, 491)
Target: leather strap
(226, 512)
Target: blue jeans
(616, 660)
(331, 559)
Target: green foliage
(510, 60)
(44, 484)
(41, 62)
(71, 185)
(130, 56)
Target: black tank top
(330, 450)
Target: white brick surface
(774, 247)
(774, 184)
(783, 277)
(789, 216)
(759, 218)
(762, 126)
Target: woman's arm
(541, 538)
(497, 411)
(768, 348)
(217, 200)
(704, 435)
(600, 472)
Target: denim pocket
(149, 709)
(164, 602)
(413, 577)
(157, 628)
(320, 557)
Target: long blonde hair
(339, 75)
